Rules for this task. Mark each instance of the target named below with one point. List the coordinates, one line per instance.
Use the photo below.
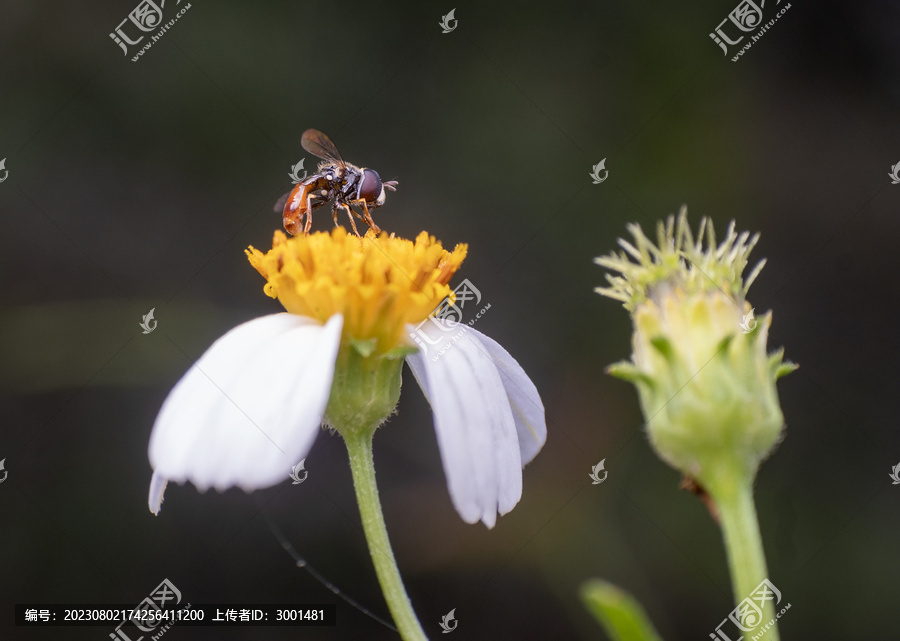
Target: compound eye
(369, 186)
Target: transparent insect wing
(318, 144)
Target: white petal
(249, 408)
(527, 408)
(474, 423)
(157, 489)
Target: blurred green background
(138, 184)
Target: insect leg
(350, 213)
(334, 209)
(369, 221)
(309, 208)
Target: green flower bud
(699, 362)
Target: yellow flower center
(379, 283)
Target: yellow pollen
(379, 283)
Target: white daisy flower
(251, 407)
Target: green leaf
(618, 612)
(664, 346)
(778, 367)
(722, 347)
(784, 369)
(628, 372)
(366, 347)
(401, 351)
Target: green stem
(359, 445)
(745, 550)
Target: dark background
(138, 184)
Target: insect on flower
(336, 180)
(252, 405)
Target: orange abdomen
(295, 208)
